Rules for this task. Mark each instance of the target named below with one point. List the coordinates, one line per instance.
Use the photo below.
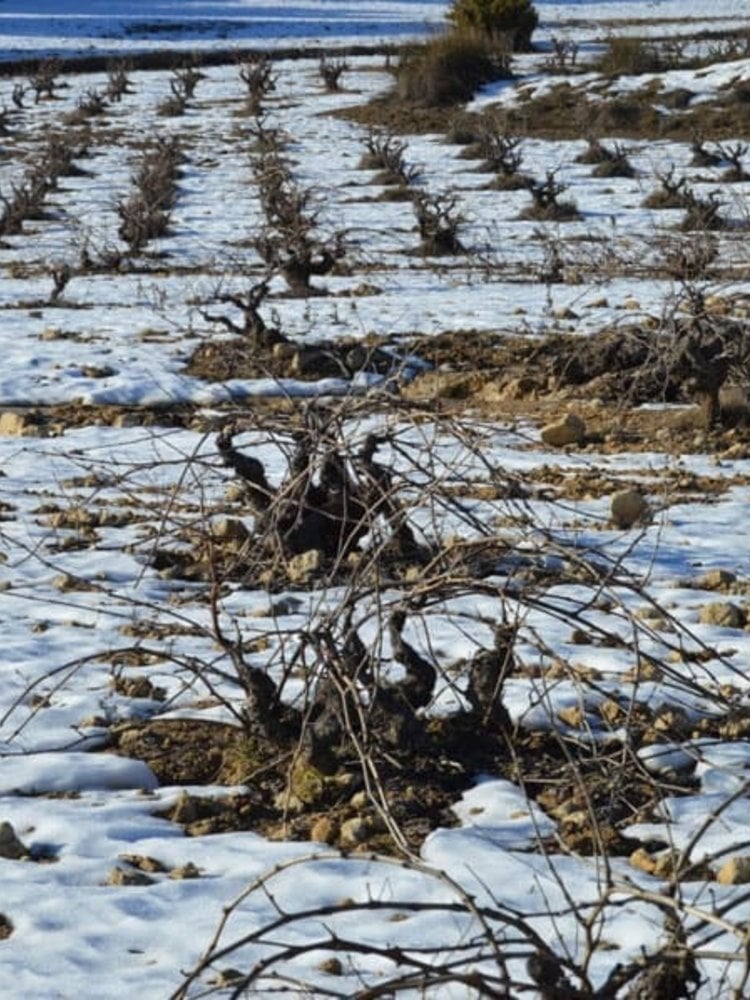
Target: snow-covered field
(619, 629)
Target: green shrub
(450, 67)
(515, 19)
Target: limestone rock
(13, 424)
(722, 613)
(324, 830)
(186, 809)
(231, 529)
(717, 579)
(572, 716)
(564, 312)
(303, 567)
(570, 430)
(332, 966)
(735, 871)
(354, 831)
(120, 876)
(10, 846)
(188, 870)
(627, 507)
(580, 637)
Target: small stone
(665, 864)
(324, 830)
(231, 529)
(519, 388)
(573, 716)
(722, 613)
(188, 870)
(642, 860)
(283, 351)
(627, 507)
(570, 430)
(354, 831)
(302, 568)
(332, 966)
(127, 419)
(611, 712)
(185, 809)
(73, 518)
(202, 827)
(143, 863)
(14, 424)
(285, 606)
(227, 977)
(564, 312)
(576, 819)
(235, 492)
(735, 871)
(579, 637)
(119, 876)
(288, 802)
(10, 846)
(644, 670)
(717, 579)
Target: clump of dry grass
(450, 67)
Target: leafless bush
(27, 197)
(331, 71)
(60, 152)
(385, 153)
(689, 259)
(439, 220)
(394, 572)
(547, 206)
(186, 78)
(702, 157)
(563, 57)
(610, 161)
(703, 214)
(43, 81)
(144, 214)
(6, 121)
(672, 193)
(257, 73)
(61, 274)
(267, 139)
(98, 258)
(726, 49)
(615, 163)
(552, 269)
(292, 242)
(733, 155)
(24, 201)
(174, 105)
(89, 105)
(253, 327)
(500, 149)
(118, 81)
